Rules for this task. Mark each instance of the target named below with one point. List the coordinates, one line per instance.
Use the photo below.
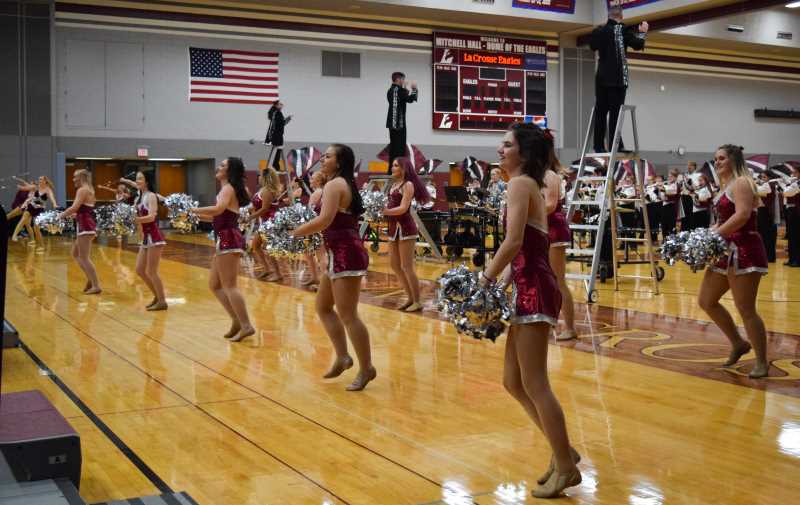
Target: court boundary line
(129, 453)
(197, 406)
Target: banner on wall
(486, 82)
(563, 6)
(628, 4)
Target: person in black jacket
(611, 82)
(398, 96)
(277, 123)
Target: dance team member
(153, 242)
(523, 260)
(264, 207)
(340, 286)
(403, 233)
(83, 210)
(560, 237)
(224, 217)
(20, 198)
(313, 261)
(39, 194)
(741, 271)
(123, 193)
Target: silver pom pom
(480, 312)
(374, 203)
(244, 215)
(275, 232)
(50, 222)
(118, 220)
(178, 205)
(697, 248)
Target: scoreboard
(484, 83)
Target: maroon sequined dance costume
(347, 256)
(226, 229)
(401, 227)
(535, 297)
(557, 228)
(85, 220)
(746, 251)
(151, 235)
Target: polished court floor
(647, 404)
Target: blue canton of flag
(206, 62)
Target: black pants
(397, 145)
(793, 234)
(701, 219)
(608, 100)
(654, 218)
(687, 223)
(275, 158)
(768, 231)
(668, 220)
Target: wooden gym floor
(647, 404)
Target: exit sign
(142, 152)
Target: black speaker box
(36, 441)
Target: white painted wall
(325, 109)
(701, 113)
(760, 27)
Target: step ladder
(606, 201)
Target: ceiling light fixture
(167, 159)
(92, 158)
(793, 5)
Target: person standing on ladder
(398, 96)
(611, 82)
(274, 137)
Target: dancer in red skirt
(264, 206)
(317, 261)
(229, 245)
(523, 261)
(83, 210)
(152, 241)
(741, 271)
(560, 238)
(403, 232)
(340, 285)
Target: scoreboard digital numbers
(484, 83)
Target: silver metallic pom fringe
(117, 220)
(374, 203)
(697, 248)
(178, 205)
(50, 222)
(480, 312)
(275, 232)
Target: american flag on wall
(230, 76)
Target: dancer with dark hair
(229, 245)
(741, 271)
(523, 260)
(403, 232)
(340, 285)
(277, 124)
(83, 210)
(559, 235)
(149, 257)
(39, 194)
(398, 96)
